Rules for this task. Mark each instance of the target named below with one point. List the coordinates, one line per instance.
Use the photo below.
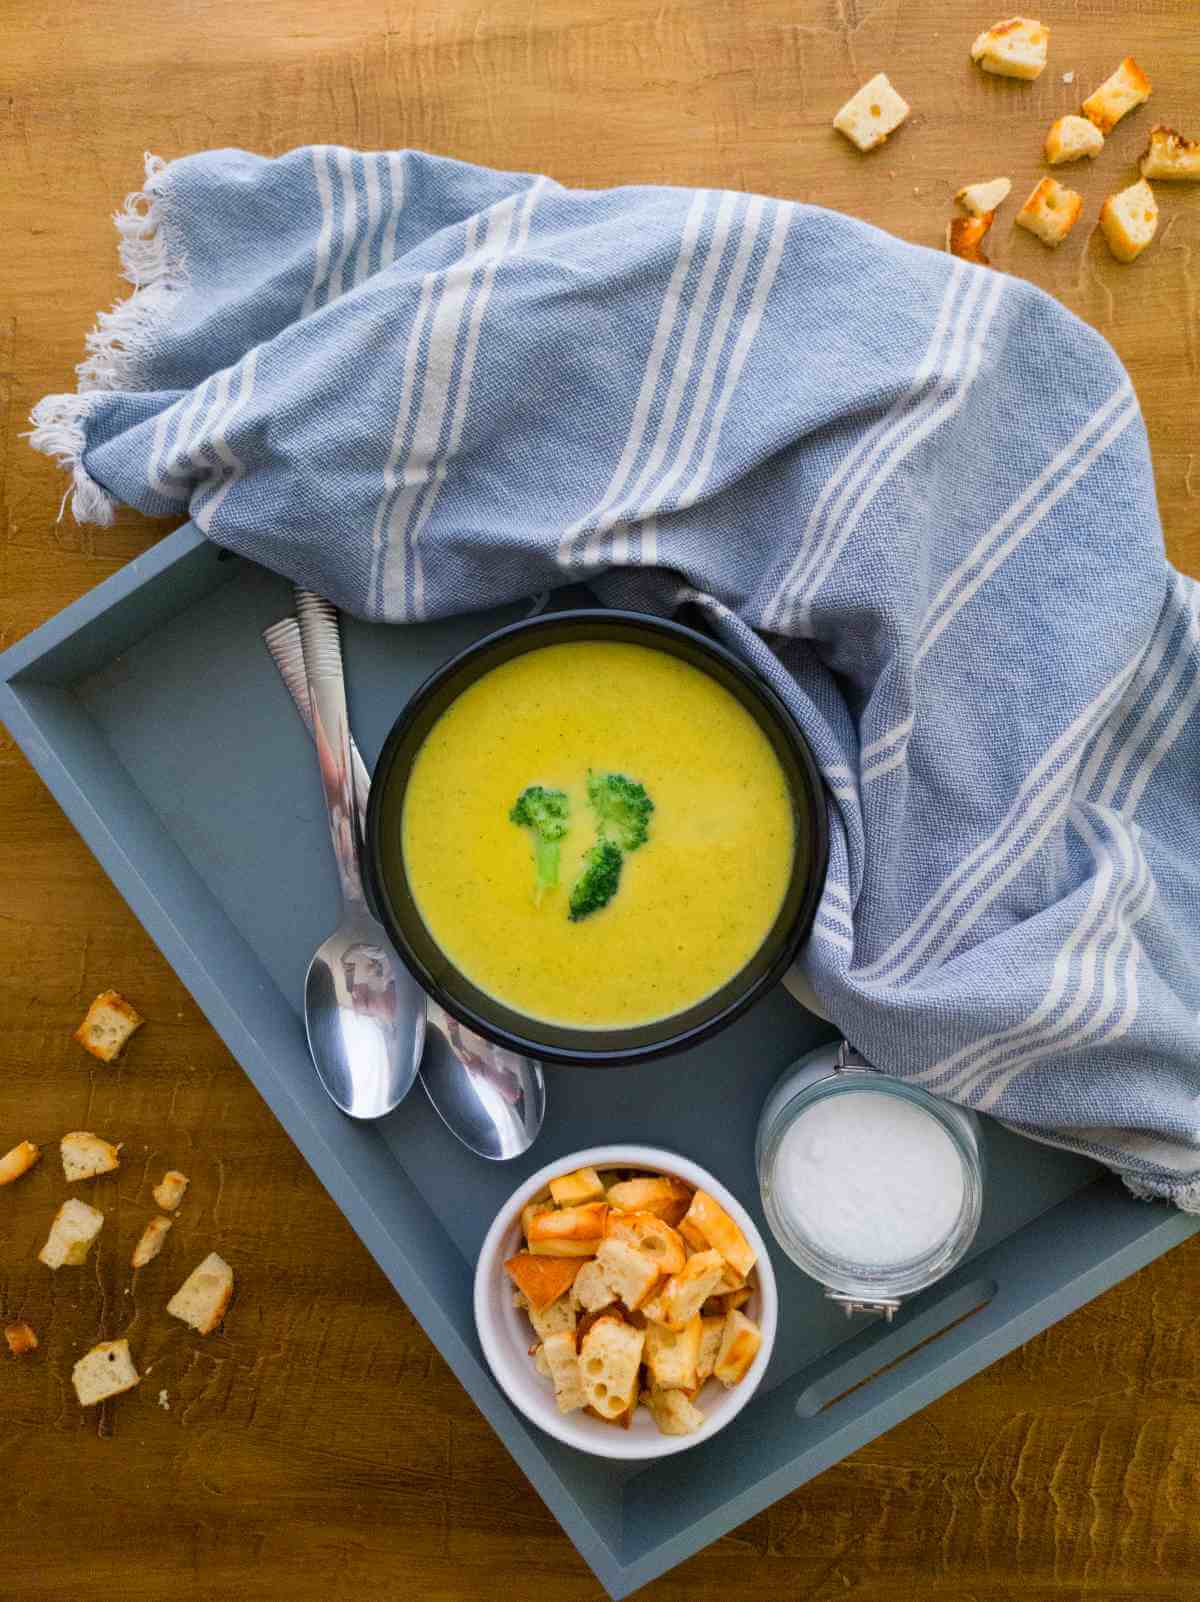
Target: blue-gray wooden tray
(153, 713)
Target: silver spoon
(362, 1009)
(492, 1100)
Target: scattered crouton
(874, 113)
(105, 1371)
(151, 1243)
(18, 1161)
(631, 1275)
(168, 1193)
(203, 1297)
(1171, 157)
(1070, 139)
(573, 1190)
(982, 199)
(610, 1357)
(1128, 87)
(964, 238)
(75, 1227)
(568, 1231)
(651, 1237)
(659, 1194)
(21, 1339)
(542, 1279)
(109, 1023)
(85, 1155)
(707, 1224)
(563, 1362)
(1015, 48)
(1129, 220)
(673, 1412)
(740, 1342)
(1051, 212)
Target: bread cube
(672, 1356)
(108, 1026)
(542, 1279)
(85, 1155)
(105, 1371)
(21, 1339)
(740, 1341)
(650, 1236)
(1171, 157)
(168, 1193)
(631, 1276)
(569, 1231)
(563, 1363)
(964, 238)
(541, 1363)
(610, 1356)
(1128, 87)
(1071, 138)
(737, 1298)
(1015, 48)
(712, 1331)
(982, 199)
(18, 1161)
(1051, 212)
(151, 1243)
(591, 1290)
(707, 1224)
(572, 1190)
(686, 1292)
(75, 1227)
(659, 1194)
(673, 1412)
(872, 114)
(204, 1295)
(1129, 220)
(552, 1320)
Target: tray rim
(1136, 1232)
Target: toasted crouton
(554, 1319)
(610, 1357)
(686, 1292)
(542, 1279)
(672, 1356)
(591, 1290)
(869, 116)
(650, 1236)
(736, 1298)
(75, 1227)
(572, 1190)
(204, 1295)
(1050, 212)
(659, 1194)
(707, 1224)
(1015, 48)
(21, 1339)
(151, 1243)
(1129, 220)
(631, 1275)
(108, 1025)
(568, 1232)
(712, 1331)
(541, 1362)
(1171, 157)
(105, 1371)
(18, 1161)
(85, 1155)
(982, 200)
(964, 238)
(1071, 138)
(673, 1412)
(168, 1193)
(740, 1342)
(563, 1362)
(1128, 87)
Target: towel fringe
(1186, 1198)
(155, 266)
(58, 432)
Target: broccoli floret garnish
(622, 809)
(544, 813)
(597, 884)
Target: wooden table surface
(319, 1448)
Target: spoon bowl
(493, 1099)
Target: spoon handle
(331, 733)
(287, 652)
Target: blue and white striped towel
(915, 493)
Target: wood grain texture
(318, 1448)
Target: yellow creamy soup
(694, 901)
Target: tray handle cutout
(901, 1340)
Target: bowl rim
(675, 1040)
(613, 1442)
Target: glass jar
(863, 1286)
